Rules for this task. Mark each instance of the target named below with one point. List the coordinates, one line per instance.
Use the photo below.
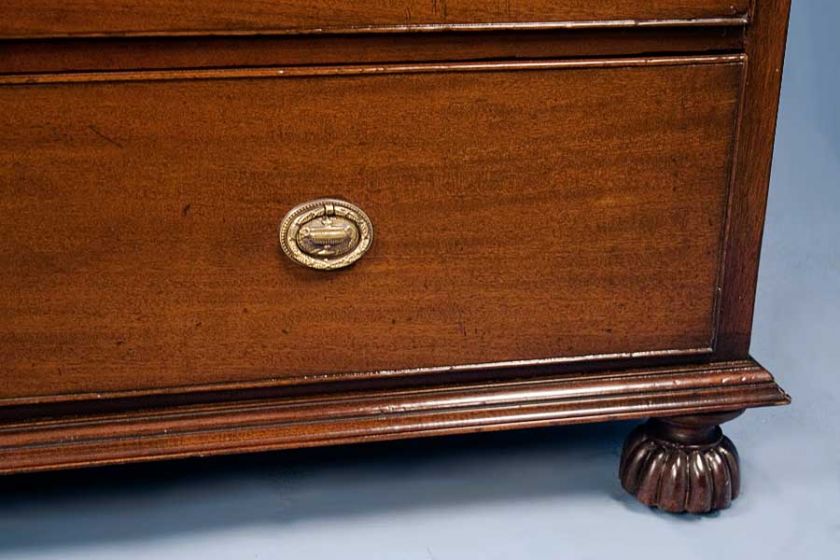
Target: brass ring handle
(326, 234)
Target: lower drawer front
(527, 212)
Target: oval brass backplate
(326, 234)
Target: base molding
(370, 415)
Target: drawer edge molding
(272, 424)
(336, 71)
(23, 56)
(738, 20)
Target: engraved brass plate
(326, 234)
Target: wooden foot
(682, 464)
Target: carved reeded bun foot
(682, 464)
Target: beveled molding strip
(273, 424)
(357, 70)
(740, 20)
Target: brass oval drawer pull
(326, 234)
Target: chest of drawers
(244, 226)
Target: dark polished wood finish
(61, 18)
(461, 272)
(162, 53)
(682, 464)
(765, 40)
(358, 416)
(567, 201)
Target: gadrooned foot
(682, 464)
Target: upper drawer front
(522, 212)
(47, 18)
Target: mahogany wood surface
(765, 43)
(140, 244)
(568, 198)
(682, 464)
(56, 18)
(71, 55)
(258, 425)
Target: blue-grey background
(541, 494)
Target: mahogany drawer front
(60, 18)
(523, 213)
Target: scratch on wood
(105, 136)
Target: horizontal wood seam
(376, 69)
(730, 21)
(342, 377)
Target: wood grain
(541, 226)
(74, 55)
(766, 47)
(522, 213)
(239, 426)
(56, 18)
